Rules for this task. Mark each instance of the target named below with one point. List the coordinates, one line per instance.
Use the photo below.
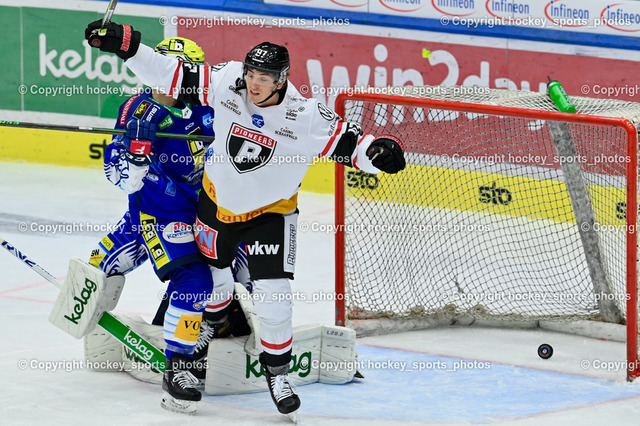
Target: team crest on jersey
(249, 150)
(257, 120)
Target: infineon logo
(505, 9)
(622, 17)
(405, 6)
(567, 13)
(455, 7)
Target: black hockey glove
(122, 40)
(385, 153)
(138, 141)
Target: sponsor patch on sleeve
(142, 108)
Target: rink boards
(534, 193)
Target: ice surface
(467, 375)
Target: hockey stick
(117, 329)
(96, 42)
(99, 130)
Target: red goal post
(507, 213)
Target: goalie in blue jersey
(163, 177)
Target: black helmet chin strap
(268, 97)
(280, 91)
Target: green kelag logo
(136, 342)
(57, 71)
(73, 64)
(300, 364)
(138, 361)
(85, 295)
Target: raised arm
(187, 82)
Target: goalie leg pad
(338, 356)
(103, 352)
(320, 353)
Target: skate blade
(178, 405)
(293, 416)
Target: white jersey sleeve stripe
(206, 81)
(177, 77)
(331, 145)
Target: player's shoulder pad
(233, 67)
(297, 104)
(312, 104)
(218, 67)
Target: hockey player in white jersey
(267, 135)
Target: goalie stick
(116, 328)
(99, 130)
(111, 7)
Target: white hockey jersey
(260, 154)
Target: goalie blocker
(86, 295)
(320, 353)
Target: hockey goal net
(508, 212)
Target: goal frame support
(633, 367)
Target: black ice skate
(281, 389)
(210, 329)
(179, 385)
(199, 371)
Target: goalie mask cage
(509, 213)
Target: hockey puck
(545, 351)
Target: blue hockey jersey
(167, 187)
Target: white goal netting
(498, 215)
